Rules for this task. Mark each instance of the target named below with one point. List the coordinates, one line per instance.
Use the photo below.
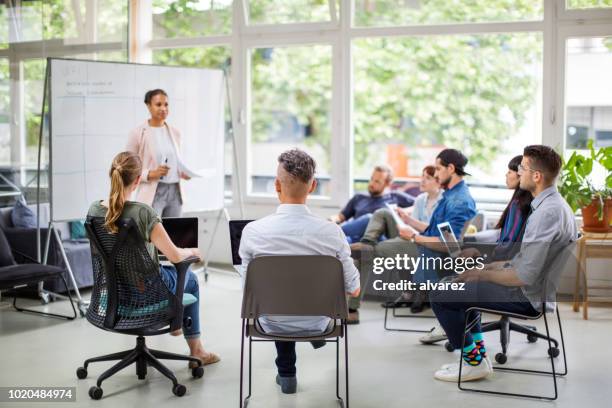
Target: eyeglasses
(522, 168)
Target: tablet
(450, 240)
(398, 220)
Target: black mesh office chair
(310, 285)
(130, 297)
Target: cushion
(124, 311)
(26, 273)
(6, 255)
(77, 230)
(22, 216)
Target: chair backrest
(301, 285)
(128, 292)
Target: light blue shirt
(421, 212)
(294, 230)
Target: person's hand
(472, 275)
(406, 233)
(404, 215)
(158, 173)
(185, 176)
(469, 253)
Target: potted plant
(576, 187)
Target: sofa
(78, 252)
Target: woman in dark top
(125, 174)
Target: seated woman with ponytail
(125, 176)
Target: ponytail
(125, 169)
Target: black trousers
(286, 357)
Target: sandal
(211, 359)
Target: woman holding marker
(158, 146)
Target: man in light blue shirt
(294, 230)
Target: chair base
(342, 402)
(412, 315)
(142, 356)
(505, 325)
(68, 317)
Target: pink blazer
(142, 142)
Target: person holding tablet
(125, 174)
(158, 146)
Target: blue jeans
(169, 276)
(450, 307)
(355, 228)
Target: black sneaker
(288, 384)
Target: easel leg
(225, 214)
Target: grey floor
(388, 369)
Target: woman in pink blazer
(158, 145)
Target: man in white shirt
(294, 230)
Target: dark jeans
(285, 356)
(355, 227)
(450, 307)
(169, 276)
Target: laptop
(235, 230)
(450, 239)
(183, 232)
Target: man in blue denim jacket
(456, 207)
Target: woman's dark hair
(150, 94)
(523, 197)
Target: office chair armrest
(181, 273)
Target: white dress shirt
(166, 154)
(294, 230)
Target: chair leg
(68, 317)
(346, 364)
(243, 403)
(128, 360)
(405, 330)
(108, 357)
(155, 363)
(164, 355)
(530, 332)
(553, 373)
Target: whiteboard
(94, 105)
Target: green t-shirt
(144, 215)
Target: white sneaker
(487, 360)
(434, 336)
(468, 372)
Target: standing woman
(158, 146)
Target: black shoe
(403, 300)
(288, 384)
(420, 302)
(317, 344)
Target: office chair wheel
(553, 352)
(179, 390)
(532, 338)
(81, 373)
(501, 358)
(95, 393)
(449, 347)
(197, 372)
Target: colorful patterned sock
(471, 355)
(479, 341)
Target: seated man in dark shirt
(354, 217)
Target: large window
(395, 13)
(586, 4)
(414, 96)
(291, 11)
(191, 18)
(588, 95)
(290, 108)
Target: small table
(590, 245)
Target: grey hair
(298, 164)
